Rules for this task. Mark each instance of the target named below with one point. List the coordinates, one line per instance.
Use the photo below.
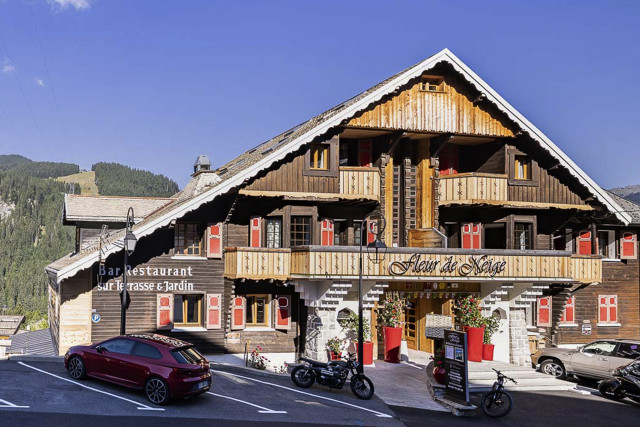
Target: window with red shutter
(628, 246)
(372, 229)
(238, 307)
(568, 314)
(544, 312)
(255, 232)
(471, 235)
(607, 309)
(584, 243)
(364, 153)
(164, 311)
(214, 311)
(327, 231)
(449, 160)
(282, 319)
(214, 241)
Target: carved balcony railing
(257, 263)
(472, 188)
(360, 182)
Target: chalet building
(265, 249)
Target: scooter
(333, 375)
(625, 382)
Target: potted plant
(350, 326)
(467, 312)
(491, 325)
(390, 319)
(438, 366)
(334, 346)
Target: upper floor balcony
(412, 264)
(361, 182)
(473, 188)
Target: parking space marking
(141, 406)
(262, 410)
(10, 405)
(378, 414)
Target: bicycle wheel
(496, 404)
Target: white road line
(10, 405)
(262, 410)
(378, 414)
(141, 406)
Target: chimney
(202, 164)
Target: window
(188, 239)
(357, 232)
(145, 350)
(522, 236)
(544, 312)
(569, 312)
(606, 243)
(340, 233)
(470, 235)
(257, 312)
(607, 309)
(300, 230)
(603, 348)
(187, 310)
(274, 232)
(187, 356)
(628, 351)
(121, 346)
(319, 157)
(522, 167)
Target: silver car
(594, 360)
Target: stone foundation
(518, 339)
(321, 326)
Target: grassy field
(86, 180)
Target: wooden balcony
(360, 182)
(473, 188)
(257, 263)
(412, 264)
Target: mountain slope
(114, 179)
(630, 192)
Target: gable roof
(108, 208)
(248, 165)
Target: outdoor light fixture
(129, 246)
(379, 254)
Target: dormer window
(319, 157)
(431, 84)
(522, 167)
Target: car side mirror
(100, 349)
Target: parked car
(163, 367)
(594, 360)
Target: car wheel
(157, 391)
(76, 368)
(553, 367)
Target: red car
(163, 367)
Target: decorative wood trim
(294, 195)
(517, 204)
(334, 159)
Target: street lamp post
(129, 246)
(378, 245)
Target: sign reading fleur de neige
(474, 266)
(141, 279)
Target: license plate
(203, 384)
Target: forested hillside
(114, 179)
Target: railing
(473, 188)
(360, 182)
(257, 263)
(413, 264)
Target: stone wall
(519, 344)
(321, 326)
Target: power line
(24, 95)
(46, 67)
(11, 123)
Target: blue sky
(152, 84)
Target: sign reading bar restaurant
(455, 366)
(158, 279)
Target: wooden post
(424, 187)
(388, 202)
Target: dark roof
(109, 208)
(36, 342)
(9, 324)
(161, 339)
(633, 209)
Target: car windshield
(187, 355)
(602, 347)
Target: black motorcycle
(333, 375)
(624, 382)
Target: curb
(35, 358)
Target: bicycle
(497, 402)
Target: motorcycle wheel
(606, 389)
(362, 387)
(302, 376)
(496, 404)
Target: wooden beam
(424, 186)
(518, 204)
(298, 195)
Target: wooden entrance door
(411, 323)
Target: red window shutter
(214, 240)
(327, 232)
(283, 312)
(471, 235)
(255, 232)
(372, 229)
(568, 314)
(214, 311)
(584, 243)
(544, 312)
(603, 312)
(164, 316)
(628, 246)
(613, 309)
(238, 317)
(364, 153)
(449, 160)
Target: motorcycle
(333, 375)
(624, 382)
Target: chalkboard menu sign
(455, 365)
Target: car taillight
(184, 372)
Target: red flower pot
(367, 352)
(438, 374)
(392, 341)
(334, 356)
(474, 344)
(487, 351)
